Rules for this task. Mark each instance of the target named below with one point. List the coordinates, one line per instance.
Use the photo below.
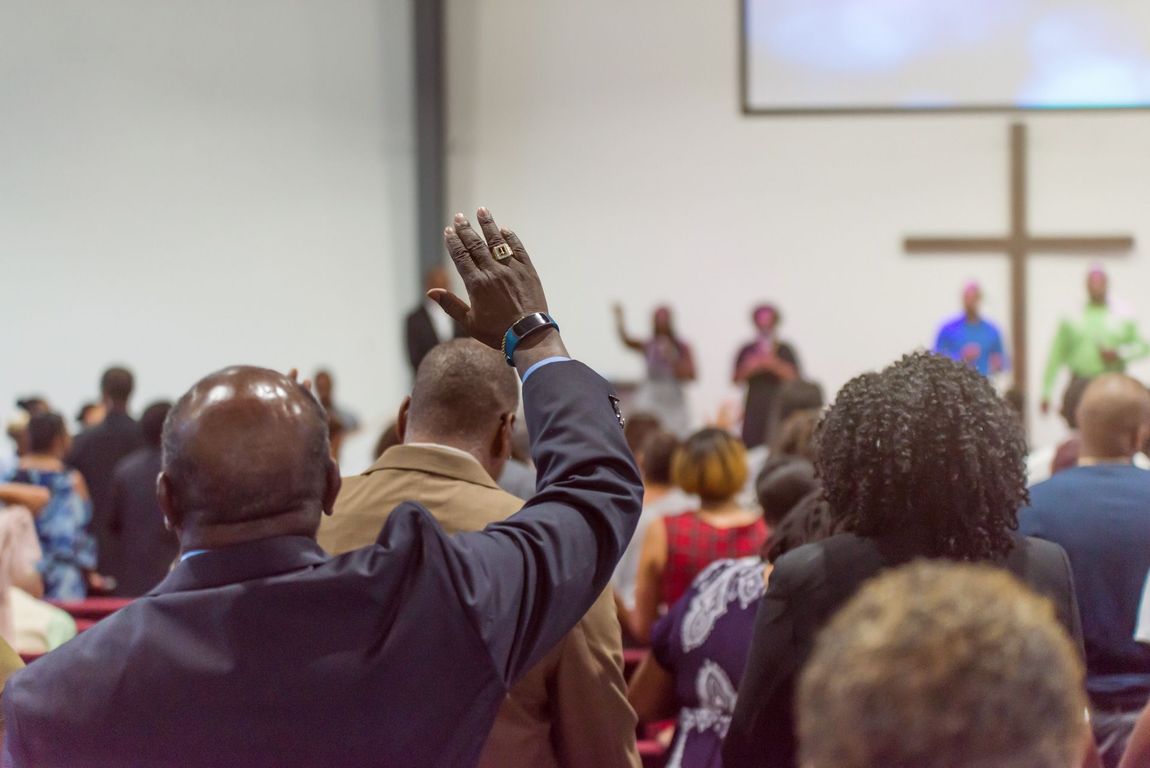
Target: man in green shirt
(1098, 342)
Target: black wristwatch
(524, 327)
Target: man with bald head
(1099, 512)
(457, 425)
(259, 649)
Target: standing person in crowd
(147, 547)
(89, 415)
(98, 450)
(341, 422)
(660, 498)
(571, 708)
(713, 466)
(1100, 341)
(670, 366)
(397, 654)
(1099, 512)
(937, 665)
(972, 339)
(763, 365)
(427, 325)
(700, 646)
(900, 491)
(69, 554)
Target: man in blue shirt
(1099, 512)
(970, 338)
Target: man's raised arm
(527, 580)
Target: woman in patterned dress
(62, 525)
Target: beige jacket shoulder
(568, 711)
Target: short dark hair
(795, 396)
(116, 384)
(936, 665)
(461, 385)
(658, 454)
(925, 447)
(809, 520)
(782, 484)
(640, 426)
(43, 431)
(152, 422)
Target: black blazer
(145, 546)
(271, 653)
(805, 589)
(95, 453)
(421, 336)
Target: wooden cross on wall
(1018, 245)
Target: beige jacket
(571, 709)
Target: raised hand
(500, 291)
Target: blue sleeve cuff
(541, 363)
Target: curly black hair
(925, 449)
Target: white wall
(609, 135)
(189, 185)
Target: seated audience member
(69, 556)
(571, 708)
(1045, 462)
(146, 546)
(518, 475)
(1099, 512)
(712, 465)
(939, 665)
(700, 646)
(660, 498)
(98, 450)
(397, 654)
(921, 460)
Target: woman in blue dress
(62, 525)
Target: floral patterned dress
(62, 527)
(703, 640)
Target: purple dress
(703, 641)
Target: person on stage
(670, 365)
(764, 364)
(972, 339)
(1100, 341)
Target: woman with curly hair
(922, 460)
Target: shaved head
(1114, 417)
(246, 456)
(462, 388)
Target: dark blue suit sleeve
(528, 580)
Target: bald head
(1114, 418)
(246, 456)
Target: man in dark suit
(147, 548)
(920, 460)
(95, 454)
(260, 650)
(426, 325)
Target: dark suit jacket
(421, 335)
(95, 454)
(146, 547)
(806, 587)
(272, 653)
